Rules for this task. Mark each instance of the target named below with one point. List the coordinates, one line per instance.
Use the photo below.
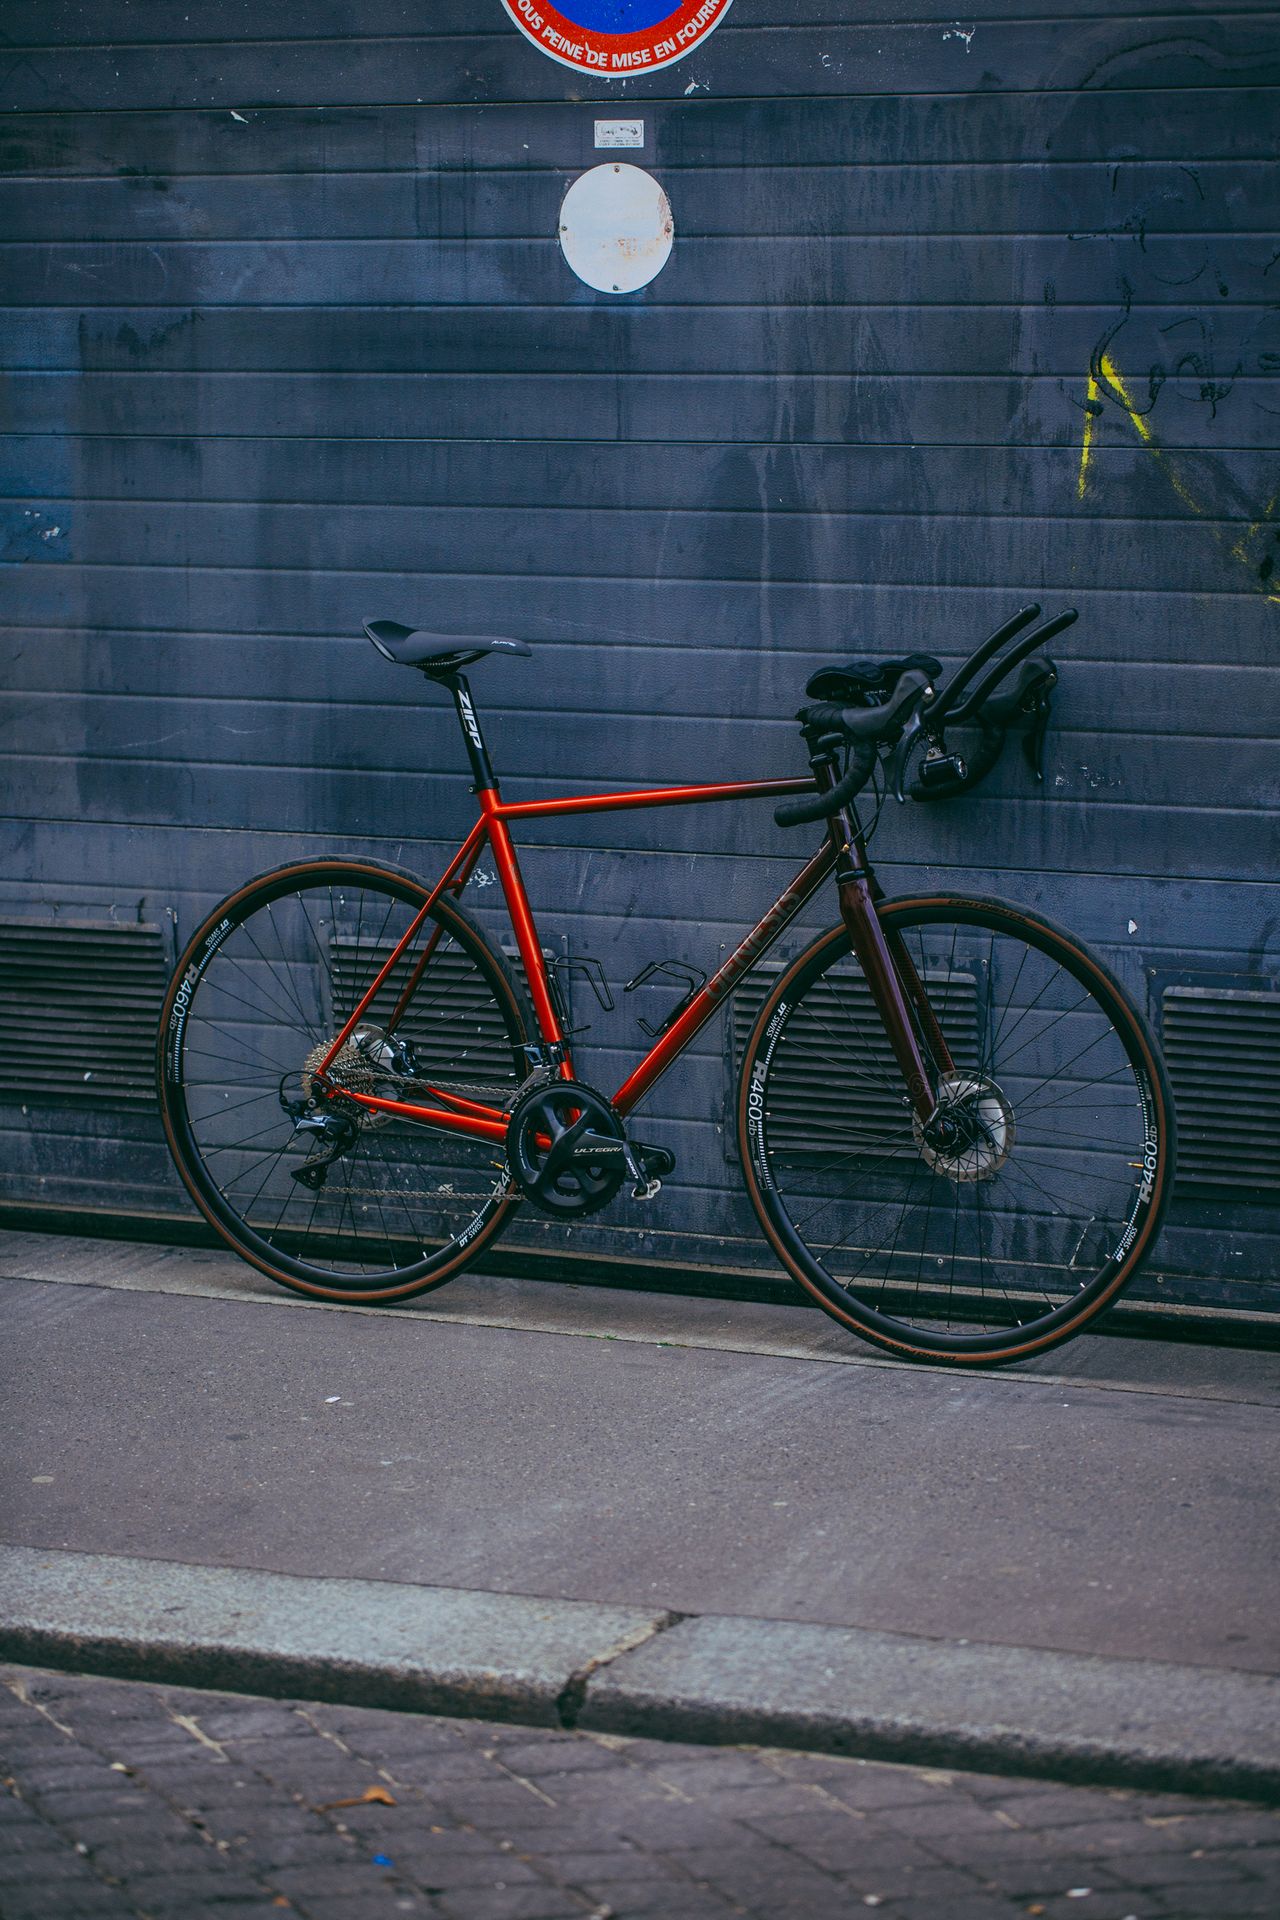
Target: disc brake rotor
(981, 1119)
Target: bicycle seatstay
(455, 875)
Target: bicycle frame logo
(614, 38)
(469, 720)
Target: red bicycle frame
(843, 852)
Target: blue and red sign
(617, 38)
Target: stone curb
(655, 1674)
(988, 1708)
(369, 1643)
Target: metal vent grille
(836, 1078)
(1222, 1048)
(451, 1021)
(79, 1001)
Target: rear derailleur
(335, 1133)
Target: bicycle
(955, 1129)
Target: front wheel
(328, 1198)
(1012, 1227)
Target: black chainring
(566, 1148)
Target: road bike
(955, 1129)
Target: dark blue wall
(959, 313)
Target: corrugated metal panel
(958, 314)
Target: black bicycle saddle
(436, 653)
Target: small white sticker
(619, 133)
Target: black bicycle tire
(1078, 1311)
(299, 1276)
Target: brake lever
(897, 768)
(1027, 706)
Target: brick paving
(124, 1801)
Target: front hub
(972, 1133)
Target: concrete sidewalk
(696, 1519)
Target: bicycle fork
(888, 969)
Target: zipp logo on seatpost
(469, 718)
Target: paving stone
(762, 1800)
(21, 1871)
(756, 1873)
(1227, 1826)
(839, 1843)
(982, 1906)
(626, 1864)
(453, 1869)
(1107, 1904)
(386, 1905)
(907, 1880)
(562, 1756)
(874, 1788)
(170, 1892)
(1247, 1897)
(439, 1767)
(73, 1903)
(511, 1903)
(1174, 1870)
(1104, 1838)
(686, 1903)
(716, 1768)
(642, 1827)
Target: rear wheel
(263, 989)
(1012, 1225)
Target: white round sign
(616, 227)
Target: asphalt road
(706, 1457)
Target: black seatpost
(477, 752)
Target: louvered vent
(452, 1019)
(835, 1077)
(79, 1002)
(1222, 1048)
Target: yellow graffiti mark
(1239, 548)
(1092, 408)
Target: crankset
(568, 1151)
